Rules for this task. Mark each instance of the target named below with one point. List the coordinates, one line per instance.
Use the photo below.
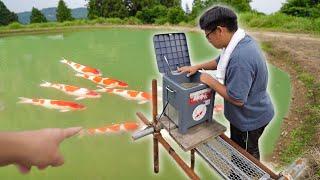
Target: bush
(114, 21)
(68, 23)
(15, 25)
(176, 15)
(149, 16)
(317, 24)
(161, 21)
(280, 21)
(132, 21)
(145, 16)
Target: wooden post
(192, 159)
(155, 122)
(154, 102)
(143, 119)
(175, 156)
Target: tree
(170, 3)
(197, 7)
(238, 5)
(176, 15)
(150, 15)
(63, 12)
(37, 16)
(188, 11)
(95, 9)
(114, 8)
(107, 9)
(6, 16)
(134, 6)
(302, 8)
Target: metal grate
(228, 162)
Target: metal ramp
(228, 162)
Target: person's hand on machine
(191, 70)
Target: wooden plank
(195, 135)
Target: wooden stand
(195, 136)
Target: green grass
(79, 22)
(250, 20)
(280, 22)
(303, 137)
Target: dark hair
(219, 16)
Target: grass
(280, 22)
(303, 137)
(58, 25)
(249, 20)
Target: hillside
(50, 13)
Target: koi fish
(81, 93)
(218, 108)
(107, 82)
(82, 68)
(141, 97)
(114, 128)
(62, 106)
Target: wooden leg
(192, 159)
(155, 154)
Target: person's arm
(33, 148)
(219, 88)
(210, 65)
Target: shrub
(176, 15)
(15, 25)
(132, 21)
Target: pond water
(127, 55)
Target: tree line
(63, 14)
(147, 11)
(158, 11)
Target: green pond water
(119, 53)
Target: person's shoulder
(247, 51)
(247, 44)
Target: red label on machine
(200, 96)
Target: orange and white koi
(218, 108)
(114, 128)
(141, 97)
(81, 93)
(82, 68)
(62, 106)
(107, 82)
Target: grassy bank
(280, 22)
(303, 140)
(275, 22)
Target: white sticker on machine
(199, 112)
(200, 96)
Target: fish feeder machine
(187, 116)
(187, 102)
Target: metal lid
(171, 49)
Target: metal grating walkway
(228, 162)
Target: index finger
(69, 132)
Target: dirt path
(303, 50)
